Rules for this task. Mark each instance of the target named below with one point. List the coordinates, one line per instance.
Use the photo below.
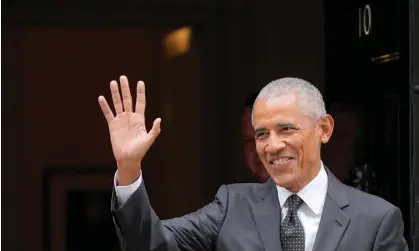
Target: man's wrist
(128, 173)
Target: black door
(367, 70)
(414, 118)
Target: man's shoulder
(363, 202)
(358, 202)
(245, 187)
(249, 190)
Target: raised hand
(129, 137)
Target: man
(301, 207)
(252, 160)
(344, 153)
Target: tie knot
(294, 202)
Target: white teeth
(279, 161)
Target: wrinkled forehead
(278, 109)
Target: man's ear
(326, 125)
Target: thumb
(155, 130)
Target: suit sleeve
(390, 233)
(139, 228)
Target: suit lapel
(333, 221)
(267, 214)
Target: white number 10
(364, 21)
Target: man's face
(288, 141)
(251, 157)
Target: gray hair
(310, 100)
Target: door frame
(414, 121)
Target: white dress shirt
(124, 192)
(309, 213)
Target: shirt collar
(313, 194)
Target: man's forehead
(282, 104)
(278, 110)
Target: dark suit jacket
(247, 217)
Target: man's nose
(275, 145)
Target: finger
(140, 105)
(105, 109)
(116, 97)
(155, 130)
(126, 94)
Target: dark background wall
(58, 57)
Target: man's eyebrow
(258, 130)
(286, 124)
(280, 125)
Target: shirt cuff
(124, 192)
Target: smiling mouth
(280, 161)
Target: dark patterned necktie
(292, 231)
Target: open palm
(129, 137)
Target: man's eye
(287, 129)
(260, 135)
